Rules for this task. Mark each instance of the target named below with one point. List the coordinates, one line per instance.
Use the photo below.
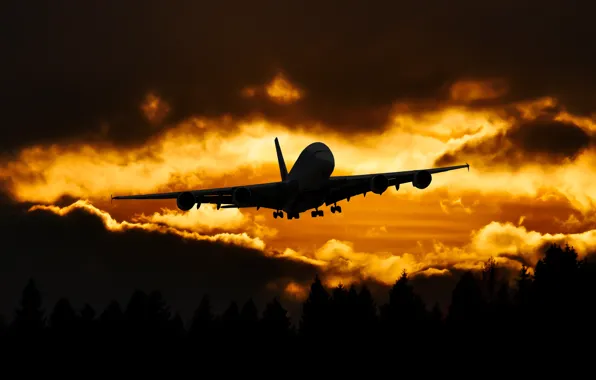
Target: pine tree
(315, 310)
(63, 316)
(202, 320)
(275, 319)
(29, 321)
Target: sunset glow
(376, 237)
(182, 102)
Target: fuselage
(307, 186)
(310, 172)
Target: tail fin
(280, 160)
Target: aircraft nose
(326, 158)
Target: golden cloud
(448, 206)
(191, 154)
(340, 262)
(241, 239)
(509, 244)
(207, 219)
(280, 90)
(424, 232)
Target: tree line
(560, 292)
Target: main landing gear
(336, 208)
(280, 214)
(316, 213)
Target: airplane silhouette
(308, 186)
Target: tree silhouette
(524, 286)
(249, 319)
(136, 310)
(136, 317)
(502, 308)
(112, 315)
(365, 315)
(202, 321)
(275, 322)
(548, 305)
(467, 303)
(29, 321)
(316, 311)
(405, 308)
(489, 279)
(249, 313)
(436, 316)
(229, 325)
(87, 324)
(63, 318)
(87, 313)
(231, 315)
(158, 315)
(340, 313)
(176, 327)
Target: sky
(103, 98)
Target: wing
(344, 187)
(266, 195)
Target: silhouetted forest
(559, 294)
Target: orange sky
(461, 220)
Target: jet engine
(186, 201)
(378, 184)
(422, 179)
(241, 195)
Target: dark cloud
(71, 67)
(557, 139)
(75, 256)
(542, 140)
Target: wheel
(338, 208)
(320, 213)
(290, 217)
(333, 209)
(297, 216)
(275, 214)
(281, 214)
(313, 214)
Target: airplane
(307, 186)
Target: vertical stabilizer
(280, 160)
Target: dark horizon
(559, 291)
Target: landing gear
(293, 216)
(316, 213)
(335, 209)
(279, 214)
